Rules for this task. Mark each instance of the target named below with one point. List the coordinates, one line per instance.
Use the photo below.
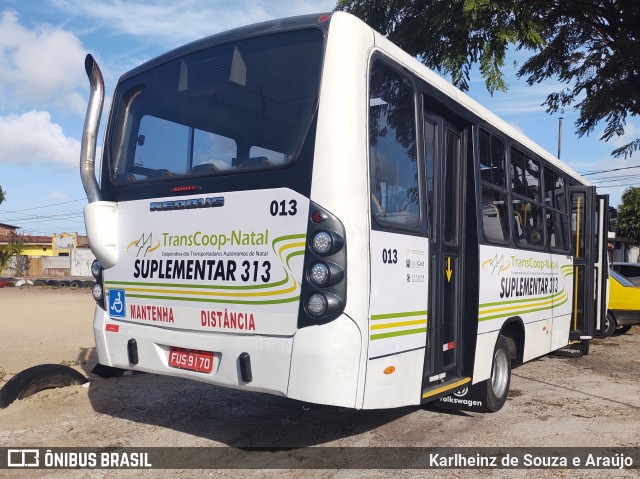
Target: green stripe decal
(521, 301)
(380, 324)
(518, 312)
(375, 317)
(285, 238)
(398, 333)
(295, 253)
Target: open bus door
(601, 264)
(445, 149)
(590, 268)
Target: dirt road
(589, 402)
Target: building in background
(57, 256)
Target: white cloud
(33, 138)
(177, 22)
(59, 196)
(41, 67)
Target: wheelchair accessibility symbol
(117, 303)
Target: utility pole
(559, 135)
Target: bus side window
(556, 215)
(495, 216)
(495, 212)
(557, 226)
(392, 149)
(525, 199)
(528, 219)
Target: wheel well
(513, 329)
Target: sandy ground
(589, 402)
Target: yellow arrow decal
(449, 271)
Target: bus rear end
(211, 255)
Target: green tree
(13, 248)
(3, 195)
(592, 47)
(629, 214)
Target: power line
(36, 175)
(40, 177)
(607, 171)
(43, 206)
(76, 218)
(617, 178)
(618, 186)
(48, 213)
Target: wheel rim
(609, 325)
(500, 374)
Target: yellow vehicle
(623, 310)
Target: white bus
(300, 208)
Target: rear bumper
(310, 366)
(270, 356)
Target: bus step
(447, 387)
(457, 394)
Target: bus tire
(585, 347)
(36, 379)
(498, 385)
(609, 325)
(622, 329)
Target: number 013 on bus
(300, 208)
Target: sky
(44, 93)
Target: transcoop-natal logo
(147, 243)
(143, 245)
(496, 265)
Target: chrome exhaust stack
(100, 217)
(90, 131)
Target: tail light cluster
(324, 284)
(98, 287)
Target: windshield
(236, 107)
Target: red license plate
(191, 359)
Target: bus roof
(256, 29)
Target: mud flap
(471, 398)
(573, 350)
(107, 372)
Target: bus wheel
(36, 379)
(622, 329)
(498, 385)
(609, 325)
